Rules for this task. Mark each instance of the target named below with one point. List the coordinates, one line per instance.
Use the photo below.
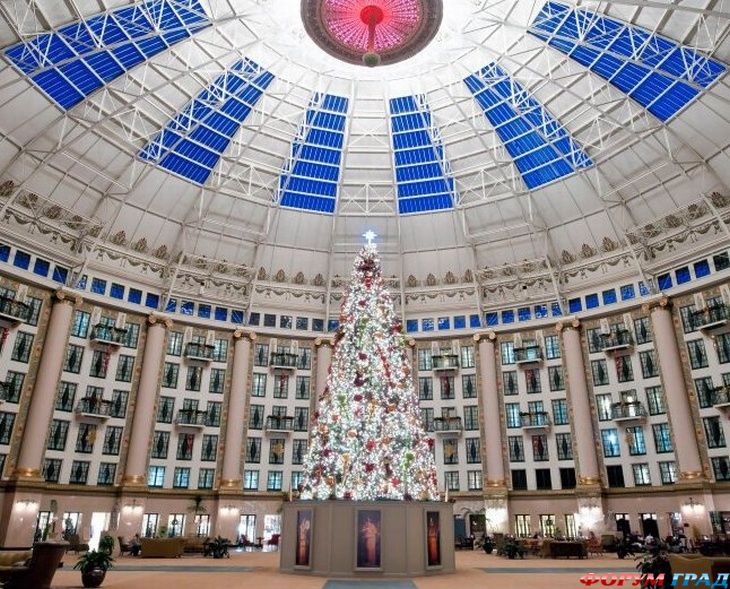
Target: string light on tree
(368, 441)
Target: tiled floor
(258, 570)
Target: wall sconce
(133, 507)
(692, 507)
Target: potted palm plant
(93, 566)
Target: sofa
(568, 549)
(22, 569)
(699, 565)
(195, 545)
(162, 547)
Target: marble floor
(260, 570)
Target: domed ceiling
(248, 131)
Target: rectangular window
(425, 388)
(276, 451)
(697, 354)
(156, 477)
(99, 364)
(451, 451)
(519, 480)
(467, 356)
(213, 412)
(560, 412)
(668, 472)
(523, 527)
(57, 434)
(166, 409)
(185, 444)
(258, 387)
(624, 368)
(516, 448)
(425, 360)
(302, 388)
(649, 364)
(635, 440)
(253, 450)
(655, 399)
(209, 450)
(594, 340)
(642, 477)
(714, 432)
(552, 347)
(473, 450)
(615, 474)
(567, 478)
(85, 438)
(447, 388)
(51, 470)
(160, 443)
(474, 480)
(181, 478)
(112, 440)
(609, 438)
(532, 381)
(469, 386)
(471, 418)
(507, 353)
(514, 419)
(642, 329)
(722, 345)
(66, 396)
(174, 343)
(721, 468)
(170, 375)
(301, 419)
(79, 472)
(299, 451)
(74, 356)
(125, 368)
(256, 417)
(565, 446)
(22, 348)
(603, 406)
(543, 479)
(509, 379)
(206, 478)
(13, 386)
(556, 378)
(600, 372)
(80, 326)
(274, 480)
(451, 479)
(427, 418)
(220, 350)
(540, 448)
(662, 438)
(261, 355)
(281, 386)
(106, 475)
(131, 338)
(217, 381)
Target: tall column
(231, 475)
(675, 391)
(324, 360)
(144, 409)
(582, 419)
(43, 400)
(495, 492)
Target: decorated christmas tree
(367, 439)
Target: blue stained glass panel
(702, 268)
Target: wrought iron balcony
(710, 318)
(448, 425)
(616, 340)
(108, 334)
(537, 420)
(628, 411)
(191, 418)
(445, 362)
(284, 360)
(279, 424)
(94, 407)
(721, 397)
(528, 355)
(13, 312)
(200, 352)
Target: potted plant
(512, 549)
(93, 566)
(654, 562)
(106, 544)
(488, 544)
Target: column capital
(154, 319)
(498, 485)
(131, 480)
(241, 334)
(412, 343)
(323, 342)
(489, 335)
(63, 295)
(27, 474)
(660, 302)
(570, 323)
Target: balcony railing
(276, 423)
(528, 355)
(628, 411)
(616, 340)
(13, 312)
(285, 360)
(443, 425)
(711, 317)
(445, 362)
(202, 352)
(108, 334)
(94, 407)
(191, 418)
(721, 397)
(535, 420)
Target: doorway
(623, 524)
(99, 524)
(272, 527)
(247, 527)
(649, 525)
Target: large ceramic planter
(93, 577)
